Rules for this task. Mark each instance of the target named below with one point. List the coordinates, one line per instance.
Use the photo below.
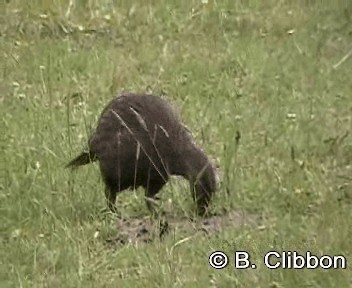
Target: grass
(276, 72)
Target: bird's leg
(150, 197)
(153, 206)
(110, 195)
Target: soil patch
(144, 230)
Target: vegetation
(277, 73)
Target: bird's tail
(82, 159)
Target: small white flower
(21, 96)
(16, 233)
(81, 104)
(291, 116)
(298, 191)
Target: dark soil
(145, 230)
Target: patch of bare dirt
(144, 230)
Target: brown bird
(140, 141)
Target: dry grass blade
(142, 147)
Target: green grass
(277, 72)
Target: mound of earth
(144, 230)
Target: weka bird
(140, 141)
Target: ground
(265, 88)
(145, 230)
